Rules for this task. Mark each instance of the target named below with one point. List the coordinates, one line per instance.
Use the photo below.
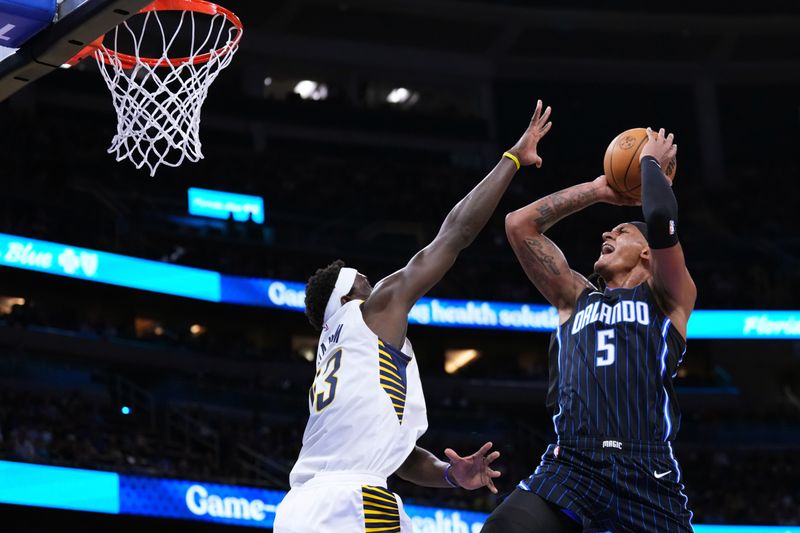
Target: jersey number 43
(325, 382)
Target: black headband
(641, 226)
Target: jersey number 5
(329, 381)
(605, 338)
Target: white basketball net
(158, 107)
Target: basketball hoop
(158, 99)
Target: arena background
(189, 385)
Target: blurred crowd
(247, 428)
(71, 428)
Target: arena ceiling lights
(311, 90)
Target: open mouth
(606, 249)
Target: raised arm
(386, 309)
(671, 281)
(542, 261)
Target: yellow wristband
(512, 157)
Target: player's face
(621, 249)
(361, 287)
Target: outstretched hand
(525, 148)
(473, 472)
(661, 147)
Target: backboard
(39, 36)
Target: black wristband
(659, 206)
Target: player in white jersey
(366, 404)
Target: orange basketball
(621, 162)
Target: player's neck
(627, 279)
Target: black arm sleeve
(659, 206)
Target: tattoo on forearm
(546, 216)
(538, 250)
(560, 204)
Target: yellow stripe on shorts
(381, 513)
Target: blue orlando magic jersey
(611, 368)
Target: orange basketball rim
(128, 61)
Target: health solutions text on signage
(165, 278)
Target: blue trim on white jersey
(667, 322)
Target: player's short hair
(318, 292)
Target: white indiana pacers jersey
(366, 405)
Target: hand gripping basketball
(621, 161)
(660, 147)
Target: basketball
(621, 162)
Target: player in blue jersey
(613, 357)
